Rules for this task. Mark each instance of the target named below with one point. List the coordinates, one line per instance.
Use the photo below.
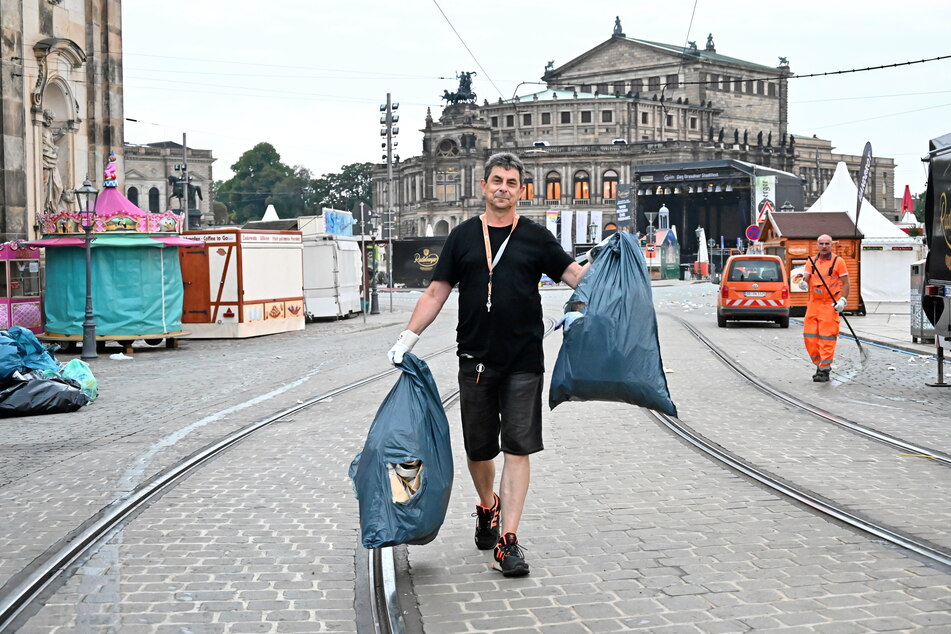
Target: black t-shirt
(509, 337)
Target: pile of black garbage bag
(32, 382)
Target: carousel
(116, 264)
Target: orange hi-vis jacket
(820, 330)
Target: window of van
(755, 271)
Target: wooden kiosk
(792, 236)
(243, 283)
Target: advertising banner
(624, 207)
(581, 226)
(414, 260)
(765, 197)
(566, 217)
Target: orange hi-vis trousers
(820, 331)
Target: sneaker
(510, 557)
(822, 376)
(487, 525)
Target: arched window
(582, 185)
(441, 228)
(610, 184)
(133, 195)
(154, 203)
(553, 186)
(528, 193)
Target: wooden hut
(792, 236)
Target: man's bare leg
(516, 473)
(483, 477)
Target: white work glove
(404, 343)
(596, 249)
(840, 304)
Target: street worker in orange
(828, 280)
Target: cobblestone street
(625, 526)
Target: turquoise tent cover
(136, 288)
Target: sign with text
(765, 197)
(624, 206)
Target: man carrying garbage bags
(497, 260)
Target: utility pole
(184, 184)
(389, 131)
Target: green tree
(256, 175)
(293, 196)
(347, 188)
(920, 207)
(260, 179)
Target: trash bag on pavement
(79, 371)
(33, 354)
(613, 353)
(10, 361)
(403, 476)
(33, 393)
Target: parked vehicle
(754, 288)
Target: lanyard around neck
(489, 261)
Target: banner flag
(566, 217)
(865, 171)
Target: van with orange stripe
(754, 287)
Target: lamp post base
(89, 343)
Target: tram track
(819, 413)
(24, 588)
(819, 501)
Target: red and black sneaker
(487, 525)
(510, 556)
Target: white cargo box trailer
(333, 272)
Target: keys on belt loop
(479, 370)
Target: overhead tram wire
(681, 66)
(834, 72)
(467, 48)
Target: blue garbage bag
(613, 353)
(33, 354)
(10, 361)
(403, 476)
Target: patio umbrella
(907, 204)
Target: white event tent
(887, 251)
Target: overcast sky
(308, 76)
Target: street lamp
(86, 197)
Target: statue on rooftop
(464, 92)
(617, 27)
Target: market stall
(792, 236)
(243, 283)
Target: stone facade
(61, 98)
(148, 169)
(624, 103)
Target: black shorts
(500, 405)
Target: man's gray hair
(505, 160)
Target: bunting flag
(865, 172)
